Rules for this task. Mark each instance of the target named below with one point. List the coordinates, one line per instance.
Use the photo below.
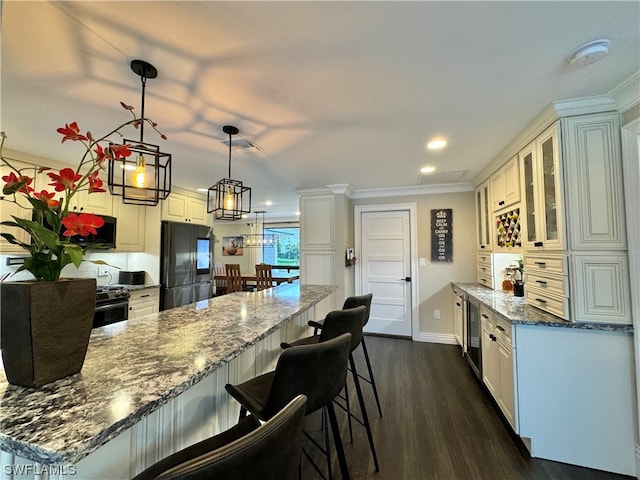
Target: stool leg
(346, 401)
(243, 413)
(363, 409)
(371, 379)
(327, 443)
(331, 411)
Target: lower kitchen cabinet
(498, 373)
(144, 302)
(458, 316)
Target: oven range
(112, 305)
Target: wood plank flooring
(437, 423)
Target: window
(287, 248)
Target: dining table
(251, 277)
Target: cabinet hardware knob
(500, 328)
(542, 264)
(538, 244)
(541, 282)
(541, 300)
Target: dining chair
(264, 277)
(317, 371)
(234, 277)
(221, 285)
(269, 451)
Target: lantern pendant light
(259, 240)
(143, 178)
(229, 199)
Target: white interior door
(385, 270)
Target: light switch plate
(422, 261)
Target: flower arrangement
(50, 249)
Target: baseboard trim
(446, 338)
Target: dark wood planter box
(45, 329)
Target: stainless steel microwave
(105, 236)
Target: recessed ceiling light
(436, 144)
(589, 53)
(428, 169)
(203, 189)
(268, 203)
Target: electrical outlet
(103, 271)
(436, 314)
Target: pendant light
(143, 178)
(256, 240)
(229, 199)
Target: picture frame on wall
(232, 246)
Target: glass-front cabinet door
(483, 218)
(542, 191)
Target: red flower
(101, 154)
(71, 132)
(95, 184)
(125, 106)
(66, 180)
(119, 151)
(82, 224)
(47, 198)
(16, 184)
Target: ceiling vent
(242, 145)
(441, 178)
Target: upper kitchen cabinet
(593, 180)
(8, 209)
(484, 224)
(100, 203)
(184, 208)
(505, 185)
(130, 230)
(542, 187)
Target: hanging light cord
(229, 155)
(143, 80)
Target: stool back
(316, 371)
(358, 300)
(338, 322)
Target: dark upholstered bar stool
(249, 450)
(316, 371)
(337, 323)
(352, 302)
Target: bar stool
(351, 302)
(248, 450)
(316, 371)
(337, 323)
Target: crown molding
(411, 190)
(341, 189)
(627, 94)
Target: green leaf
(14, 241)
(75, 253)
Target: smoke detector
(589, 53)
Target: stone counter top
(515, 310)
(134, 367)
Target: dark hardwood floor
(437, 423)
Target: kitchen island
(150, 386)
(566, 388)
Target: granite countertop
(131, 287)
(134, 367)
(515, 310)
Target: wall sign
(442, 235)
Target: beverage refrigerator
(186, 269)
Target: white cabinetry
(505, 185)
(99, 203)
(498, 363)
(183, 208)
(8, 209)
(485, 269)
(574, 213)
(484, 228)
(542, 185)
(144, 302)
(458, 316)
(130, 229)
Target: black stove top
(108, 294)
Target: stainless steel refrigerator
(186, 269)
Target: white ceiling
(332, 92)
